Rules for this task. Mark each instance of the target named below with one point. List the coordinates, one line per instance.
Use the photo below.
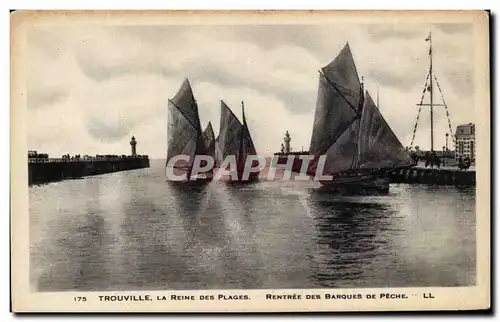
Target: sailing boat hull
(241, 182)
(253, 177)
(358, 183)
(195, 180)
(363, 187)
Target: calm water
(132, 230)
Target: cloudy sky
(91, 88)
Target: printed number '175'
(80, 299)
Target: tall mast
(243, 113)
(430, 88)
(377, 98)
(362, 95)
(242, 134)
(431, 91)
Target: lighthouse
(287, 140)
(133, 143)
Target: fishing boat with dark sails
(235, 140)
(185, 136)
(360, 147)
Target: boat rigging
(429, 88)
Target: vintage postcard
(238, 161)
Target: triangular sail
(209, 138)
(230, 132)
(184, 129)
(337, 102)
(342, 155)
(234, 139)
(379, 148)
(184, 100)
(343, 73)
(248, 146)
(218, 153)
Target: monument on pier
(287, 140)
(133, 144)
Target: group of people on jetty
(432, 159)
(44, 157)
(78, 157)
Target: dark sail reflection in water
(133, 230)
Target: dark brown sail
(218, 158)
(184, 133)
(342, 155)
(248, 146)
(337, 107)
(185, 102)
(209, 138)
(235, 140)
(379, 148)
(337, 101)
(229, 133)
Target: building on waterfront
(465, 141)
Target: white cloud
(90, 89)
